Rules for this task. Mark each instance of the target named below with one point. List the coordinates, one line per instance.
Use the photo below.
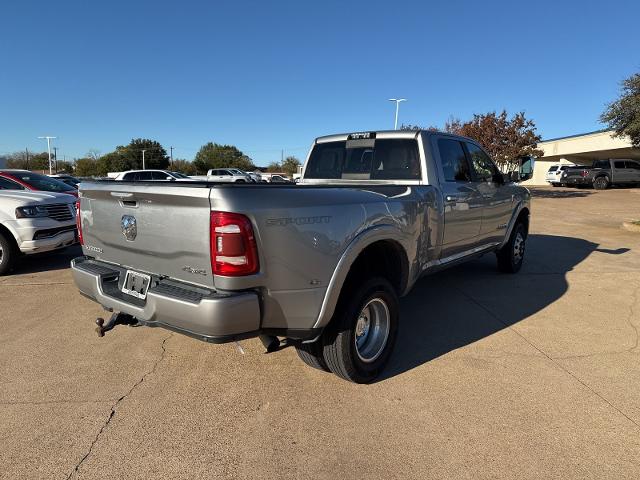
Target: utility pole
(55, 157)
(143, 150)
(26, 151)
(171, 157)
(397, 100)
(49, 138)
(281, 156)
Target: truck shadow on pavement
(44, 262)
(472, 301)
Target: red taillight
(584, 173)
(233, 245)
(79, 222)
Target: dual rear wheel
(358, 341)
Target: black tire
(8, 254)
(240, 181)
(311, 354)
(601, 183)
(340, 352)
(556, 184)
(511, 256)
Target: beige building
(582, 150)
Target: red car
(26, 180)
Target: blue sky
(267, 76)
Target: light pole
(143, 150)
(397, 100)
(49, 150)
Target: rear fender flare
(357, 245)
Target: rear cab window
(553, 168)
(602, 164)
(365, 159)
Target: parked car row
(232, 175)
(14, 179)
(600, 175)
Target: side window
(482, 165)
(226, 173)
(128, 177)
(145, 176)
(6, 184)
(601, 164)
(633, 165)
(454, 161)
(619, 164)
(159, 175)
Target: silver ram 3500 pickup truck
(321, 263)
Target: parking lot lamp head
(397, 100)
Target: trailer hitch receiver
(116, 319)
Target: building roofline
(576, 135)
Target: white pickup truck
(227, 175)
(34, 222)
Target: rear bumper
(577, 181)
(204, 314)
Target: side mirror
(498, 178)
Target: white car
(554, 174)
(225, 175)
(34, 222)
(276, 178)
(151, 176)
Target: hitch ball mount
(116, 319)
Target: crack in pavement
(551, 359)
(115, 406)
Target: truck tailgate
(168, 230)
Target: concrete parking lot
(494, 376)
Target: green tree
(623, 115)
(86, 167)
(36, 161)
(183, 166)
(155, 156)
(290, 165)
(274, 167)
(112, 162)
(506, 140)
(213, 155)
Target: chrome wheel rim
(372, 330)
(518, 248)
